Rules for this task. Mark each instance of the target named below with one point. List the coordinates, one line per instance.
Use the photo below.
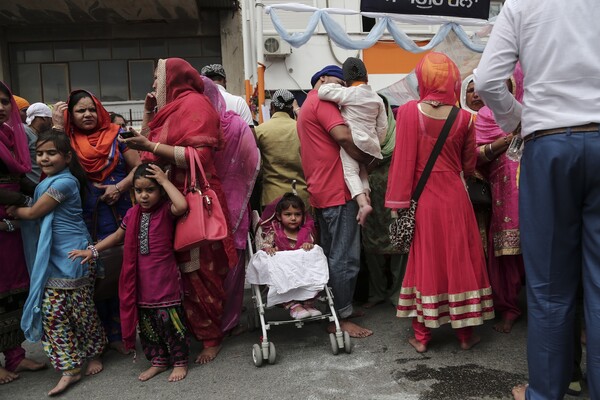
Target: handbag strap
(115, 214)
(435, 153)
(195, 165)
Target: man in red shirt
(322, 132)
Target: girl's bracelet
(155, 147)
(92, 248)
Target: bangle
(92, 248)
(155, 147)
(117, 187)
(9, 225)
(489, 152)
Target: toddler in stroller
(293, 267)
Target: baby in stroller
(294, 279)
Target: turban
(21, 102)
(37, 110)
(354, 69)
(213, 70)
(330, 70)
(282, 98)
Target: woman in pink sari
(14, 278)
(179, 117)
(505, 262)
(237, 165)
(446, 279)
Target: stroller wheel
(334, 345)
(347, 343)
(257, 355)
(272, 353)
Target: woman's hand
(58, 112)
(85, 254)
(12, 211)
(307, 246)
(158, 174)
(111, 193)
(137, 141)
(150, 103)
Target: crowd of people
(74, 178)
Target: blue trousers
(559, 201)
(340, 240)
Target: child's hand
(158, 174)
(308, 246)
(85, 254)
(270, 250)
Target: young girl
(150, 285)
(289, 228)
(60, 308)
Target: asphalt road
(381, 367)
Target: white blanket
(290, 275)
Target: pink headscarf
(14, 149)
(237, 163)
(486, 128)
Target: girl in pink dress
(150, 285)
(446, 279)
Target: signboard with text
(479, 9)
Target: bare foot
(94, 366)
(518, 392)
(371, 304)
(6, 376)
(504, 326)
(64, 383)
(419, 347)
(178, 374)
(28, 364)
(469, 344)
(119, 347)
(208, 354)
(354, 330)
(151, 373)
(363, 212)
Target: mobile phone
(125, 134)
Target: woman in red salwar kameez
(446, 279)
(185, 119)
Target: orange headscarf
(97, 151)
(439, 79)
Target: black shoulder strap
(435, 153)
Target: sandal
(298, 312)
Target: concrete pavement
(381, 367)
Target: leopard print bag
(402, 229)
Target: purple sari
(237, 165)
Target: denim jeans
(340, 239)
(559, 211)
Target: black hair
(142, 171)
(63, 146)
(4, 89)
(290, 199)
(114, 116)
(75, 97)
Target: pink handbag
(205, 221)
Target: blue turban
(330, 70)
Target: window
(114, 70)
(55, 78)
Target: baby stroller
(263, 275)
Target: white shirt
(236, 104)
(557, 43)
(363, 110)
